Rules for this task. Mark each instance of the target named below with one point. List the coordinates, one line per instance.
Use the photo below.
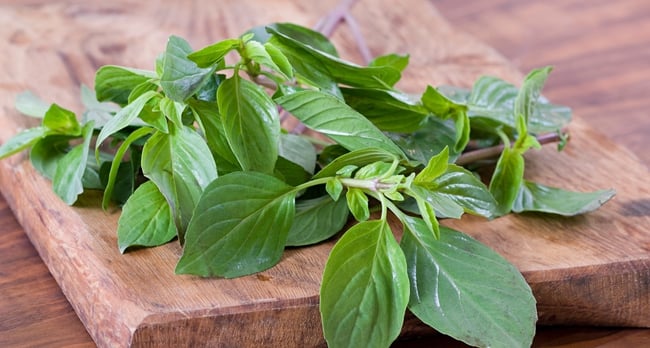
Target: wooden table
(601, 52)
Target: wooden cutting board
(592, 269)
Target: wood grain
(82, 44)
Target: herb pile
(196, 150)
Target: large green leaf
(340, 70)
(365, 288)
(506, 179)
(146, 219)
(181, 165)
(330, 116)
(389, 110)
(181, 77)
(115, 83)
(251, 124)
(67, 181)
(466, 190)
(545, 199)
(304, 35)
(316, 220)
(240, 226)
(124, 117)
(465, 290)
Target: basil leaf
(29, 104)
(465, 290)
(545, 199)
(395, 61)
(61, 121)
(332, 117)
(279, 59)
(48, 151)
(257, 52)
(67, 180)
(123, 118)
(359, 157)
(240, 226)
(389, 110)
(181, 165)
(506, 179)
(214, 53)
(445, 108)
(298, 150)
(365, 288)
(251, 124)
(432, 137)
(115, 83)
(436, 166)
(98, 112)
(305, 36)
(181, 77)
(358, 203)
(146, 219)
(530, 92)
(209, 119)
(172, 110)
(340, 70)
(316, 220)
(22, 141)
(466, 190)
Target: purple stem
(494, 151)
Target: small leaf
(67, 180)
(146, 219)
(445, 108)
(124, 118)
(61, 121)
(530, 92)
(48, 151)
(506, 180)
(395, 61)
(115, 83)
(22, 141)
(31, 105)
(316, 220)
(436, 166)
(181, 77)
(365, 289)
(358, 203)
(172, 110)
(332, 117)
(279, 59)
(466, 190)
(240, 226)
(545, 199)
(334, 188)
(251, 124)
(214, 53)
(257, 52)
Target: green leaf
(117, 161)
(31, 105)
(332, 117)
(298, 150)
(339, 70)
(359, 157)
(443, 206)
(395, 61)
(214, 53)
(172, 110)
(251, 124)
(124, 118)
(334, 188)
(506, 179)
(22, 141)
(67, 180)
(445, 108)
(465, 290)
(358, 203)
(389, 110)
(257, 52)
(240, 226)
(115, 83)
(96, 111)
(279, 59)
(61, 121)
(48, 151)
(365, 289)
(316, 220)
(466, 190)
(304, 35)
(432, 137)
(545, 199)
(530, 92)
(181, 77)
(146, 219)
(436, 166)
(181, 165)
